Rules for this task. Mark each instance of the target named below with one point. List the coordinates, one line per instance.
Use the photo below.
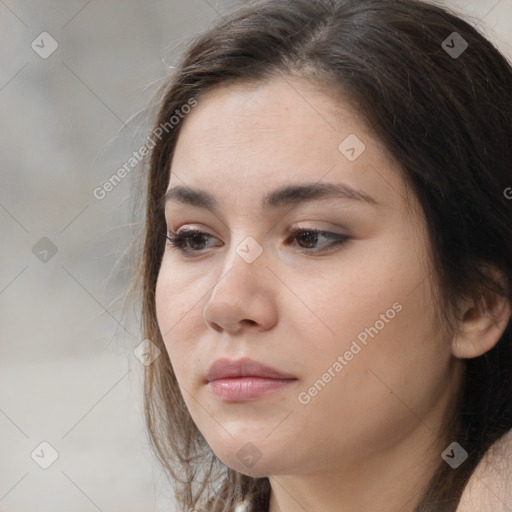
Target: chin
(251, 461)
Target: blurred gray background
(76, 78)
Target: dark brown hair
(447, 120)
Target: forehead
(249, 139)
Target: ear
(482, 325)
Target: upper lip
(225, 368)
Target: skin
(490, 485)
(371, 438)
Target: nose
(243, 297)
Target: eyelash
(177, 241)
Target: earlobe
(481, 327)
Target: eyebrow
(289, 195)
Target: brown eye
(310, 238)
(187, 241)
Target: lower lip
(239, 389)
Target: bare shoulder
(490, 485)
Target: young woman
(327, 262)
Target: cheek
(177, 295)
(357, 305)
(385, 382)
(165, 305)
(380, 319)
(177, 316)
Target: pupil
(310, 237)
(193, 239)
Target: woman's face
(351, 324)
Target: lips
(227, 368)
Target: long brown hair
(445, 118)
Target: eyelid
(178, 240)
(293, 230)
